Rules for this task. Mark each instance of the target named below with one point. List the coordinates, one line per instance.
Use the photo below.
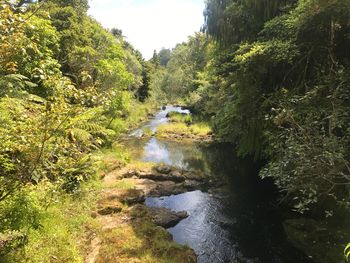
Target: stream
(238, 223)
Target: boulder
(196, 176)
(191, 184)
(177, 176)
(163, 169)
(166, 188)
(129, 196)
(174, 176)
(166, 218)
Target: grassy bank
(45, 221)
(139, 240)
(60, 226)
(183, 126)
(54, 222)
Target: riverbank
(50, 218)
(166, 200)
(131, 231)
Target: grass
(139, 165)
(107, 160)
(179, 117)
(140, 240)
(147, 132)
(197, 130)
(62, 227)
(124, 184)
(139, 113)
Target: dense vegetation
(66, 88)
(273, 77)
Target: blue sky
(150, 24)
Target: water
(158, 119)
(238, 223)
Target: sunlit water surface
(238, 223)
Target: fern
(14, 85)
(80, 135)
(347, 252)
(88, 128)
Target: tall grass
(55, 225)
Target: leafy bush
(65, 92)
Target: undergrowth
(53, 222)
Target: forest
(270, 79)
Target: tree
(164, 56)
(274, 91)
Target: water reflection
(159, 118)
(203, 230)
(182, 155)
(239, 222)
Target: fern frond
(13, 84)
(80, 135)
(347, 252)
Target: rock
(130, 173)
(177, 176)
(109, 210)
(165, 217)
(129, 196)
(163, 169)
(167, 188)
(142, 174)
(191, 184)
(108, 207)
(194, 176)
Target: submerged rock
(165, 217)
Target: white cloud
(150, 24)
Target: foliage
(347, 252)
(272, 76)
(179, 117)
(278, 90)
(164, 56)
(59, 220)
(67, 87)
(185, 62)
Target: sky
(150, 24)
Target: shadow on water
(237, 223)
(240, 221)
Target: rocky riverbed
(120, 206)
(156, 181)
